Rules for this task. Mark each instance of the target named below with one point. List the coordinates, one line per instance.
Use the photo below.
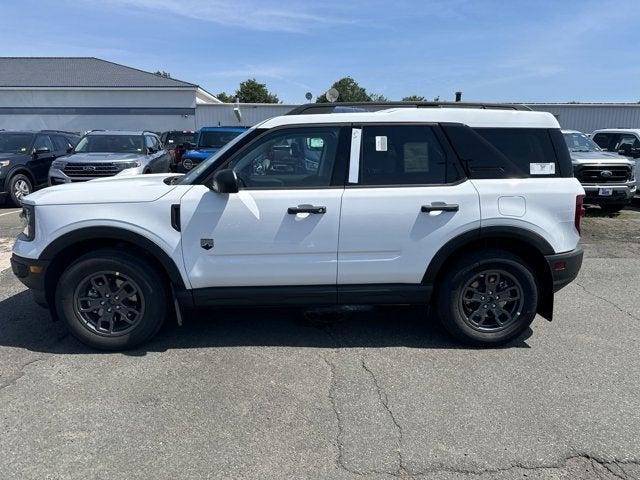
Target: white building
(84, 93)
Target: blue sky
(536, 50)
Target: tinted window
(15, 142)
(43, 141)
(401, 155)
(298, 157)
(61, 143)
(606, 141)
(178, 138)
(522, 146)
(110, 143)
(215, 139)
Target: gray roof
(78, 72)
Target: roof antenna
(458, 96)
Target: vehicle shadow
(25, 325)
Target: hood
(138, 188)
(101, 157)
(599, 157)
(200, 154)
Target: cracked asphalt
(377, 394)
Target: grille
(91, 169)
(603, 174)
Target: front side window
(15, 142)
(629, 140)
(297, 157)
(215, 139)
(606, 141)
(579, 142)
(43, 141)
(401, 155)
(110, 144)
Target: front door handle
(306, 209)
(440, 207)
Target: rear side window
(401, 155)
(507, 152)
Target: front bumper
(564, 267)
(31, 273)
(620, 194)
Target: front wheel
(19, 187)
(111, 300)
(487, 298)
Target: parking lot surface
(376, 394)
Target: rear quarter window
(510, 152)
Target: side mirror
(40, 151)
(225, 181)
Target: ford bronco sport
(474, 210)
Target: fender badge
(206, 243)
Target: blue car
(209, 140)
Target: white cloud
(267, 15)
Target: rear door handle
(440, 207)
(306, 209)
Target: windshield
(110, 144)
(178, 138)
(15, 142)
(215, 139)
(579, 142)
(206, 163)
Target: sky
(491, 50)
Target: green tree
(250, 91)
(414, 98)
(378, 97)
(349, 91)
(225, 97)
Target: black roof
(337, 107)
(78, 72)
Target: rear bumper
(564, 267)
(31, 273)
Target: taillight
(579, 211)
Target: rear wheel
(487, 298)
(111, 300)
(19, 187)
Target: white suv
(472, 209)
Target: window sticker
(542, 168)
(381, 143)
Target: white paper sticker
(542, 168)
(354, 160)
(381, 144)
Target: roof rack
(49, 130)
(311, 108)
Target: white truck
(473, 210)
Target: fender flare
(515, 233)
(115, 233)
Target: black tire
(91, 326)
(612, 207)
(19, 186)
(475, 322)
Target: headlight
(59, 164)
(187, 164)
(125, 165)
(28, 218)
(5, 163)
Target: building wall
(222, 114)
(587, 118)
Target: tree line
(252, 91)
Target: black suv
(25, 158)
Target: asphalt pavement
(375, 394)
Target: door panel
(256, 242)
(386, 238)
(39, 164)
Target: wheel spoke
(88, 304)
(126, 290)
